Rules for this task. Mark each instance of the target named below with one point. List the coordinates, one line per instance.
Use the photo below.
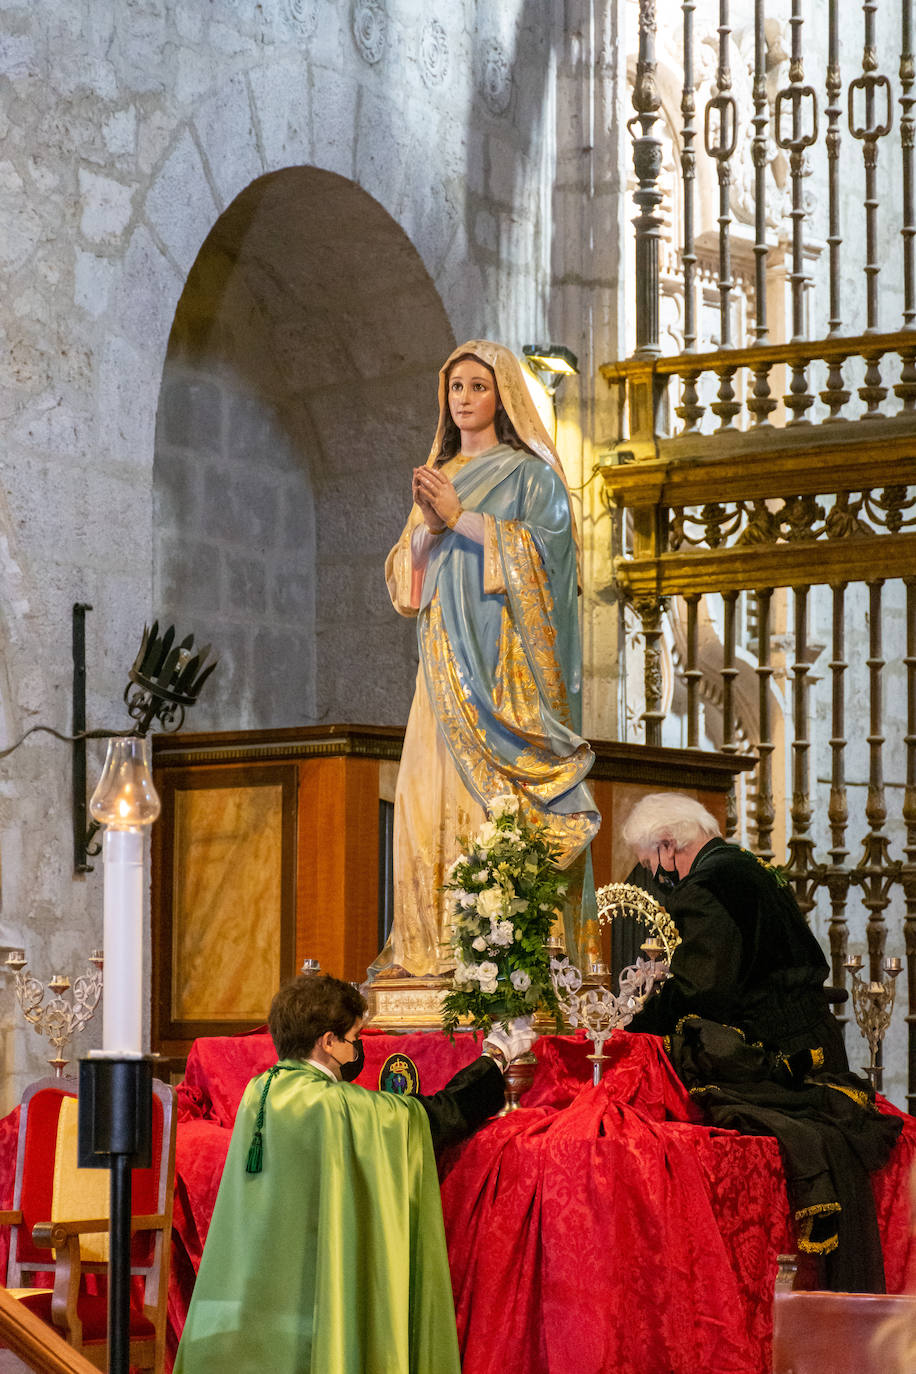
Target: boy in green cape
(326, 1251)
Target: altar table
(595, 1229)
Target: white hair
(668, 816)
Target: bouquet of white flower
(506, 890)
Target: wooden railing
(36, 1343)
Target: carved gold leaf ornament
(796, 519)
(626, 899)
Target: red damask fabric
(610, 1237)
(595, 1229)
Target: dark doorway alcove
(298, 391)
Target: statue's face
(472, 395)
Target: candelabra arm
(30, 994)
(58, 1019)
(597, 1010)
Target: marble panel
(227, 902)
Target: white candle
(122, 1012)
(124, 801)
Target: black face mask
(667, 877)
(353, 1070)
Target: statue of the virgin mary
(487, 562)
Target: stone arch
(274, 122)
(260, 121)
(297, 392)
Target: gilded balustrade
(737, 509)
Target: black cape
(750, 1033)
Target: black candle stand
(116, 1133)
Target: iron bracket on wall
(85, 846)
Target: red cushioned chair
(59, 1227)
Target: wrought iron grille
(772, 467)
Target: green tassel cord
(255, 1158)
(255, 1161)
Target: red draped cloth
(594, 1229)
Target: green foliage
(505, 891)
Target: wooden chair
(59, 1227)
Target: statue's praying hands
(436, 498)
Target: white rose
(520, 980)
(479, 944)
(487, 972)
(490, 903)
(486, 834)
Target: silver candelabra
(873, 1003)
(597, 1009)
(58, 1019)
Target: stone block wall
(144, 469)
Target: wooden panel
(223, 899)
(711, 770)
(275, 746)
(226, 896)
(337, 907)
(328, 869)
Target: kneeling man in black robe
(750, 1031)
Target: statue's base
(404, 1004)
